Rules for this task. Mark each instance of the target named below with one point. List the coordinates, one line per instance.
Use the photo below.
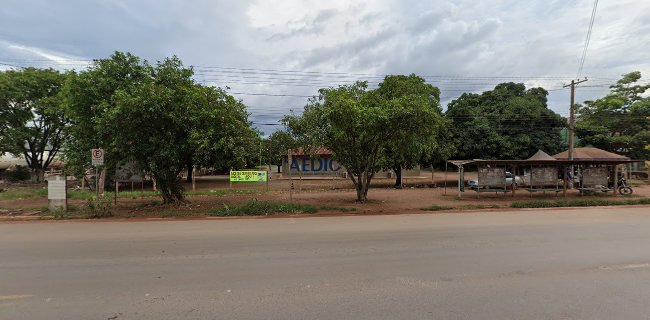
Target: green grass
(180, 214)
(23, 193)
(39, 192)
(479, 206)
(579, 203)
(262, 208)
(436, 207)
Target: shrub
(98, 209)
(259, 208)
(60, 214)
(436, 207)
(579, 203)
(19, 173)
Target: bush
(60, 214)
(579, 203)
(259, 208)
(98, 209)
(436, 207)
(19, 173)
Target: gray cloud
(497, 38)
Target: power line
(587, 39)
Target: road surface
(563, 264)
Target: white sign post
(57, 195)
(289, 160)
(97, 160)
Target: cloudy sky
(273, 53)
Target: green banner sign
(248, 176)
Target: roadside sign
(97, 157)
(248, 176)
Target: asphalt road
(564, 264)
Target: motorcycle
(623, 187)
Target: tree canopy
(156, 117)
(279, 142)
(618, 122)
(416, 138)
(32, 119)
(509, 122)
(363, 127)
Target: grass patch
(579, 203)
(263, 208)
(436, 207)
(23, 193)
(479, 206)
(181, 214)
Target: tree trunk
(362, 183)
(398, 177)
(362, 192)
(38, 175)
(190, 172)
(171, 190)
(102, 182)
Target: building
(318, 163)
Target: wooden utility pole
(572, 125)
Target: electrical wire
(587, 39)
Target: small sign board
(594, 177)
(248, 176)
(544, 176)
(491, 177)
(97, 157)
(56, 187)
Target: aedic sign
(319, 165)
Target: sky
(273, 54)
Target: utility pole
(572, 124)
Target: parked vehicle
(509, 176)
(623, 187)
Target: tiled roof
(589, 154)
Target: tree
(355, 124)
(88, 96)
(509, 122)
(279, 143)
(156, 117)
(619, 121)
(32, 119)
(222, 135)
(414, 140)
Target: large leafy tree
(88, 96)
(509, 122)
(156, 117)
(415, 138)
(32, 119)
(360, 125)
(279, 142)
(351, 121)
(619, 121)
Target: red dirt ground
(383, 199)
